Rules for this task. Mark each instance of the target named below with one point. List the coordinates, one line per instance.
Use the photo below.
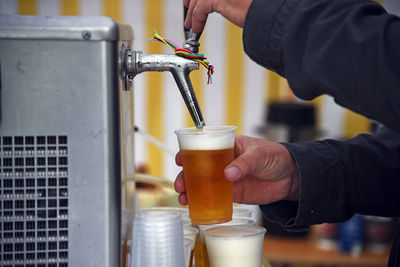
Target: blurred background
(242, 93)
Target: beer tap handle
(191, 38)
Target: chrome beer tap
(135, 62)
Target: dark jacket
(349, 49)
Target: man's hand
(233, 10)
(262, 172)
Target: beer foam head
(207, 138)
(235, 231)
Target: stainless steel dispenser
(66, 136)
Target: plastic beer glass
(200, 250)
(235, 246)
(205, 153)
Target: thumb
(241, 166)
(232, 173)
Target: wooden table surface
(306, 251)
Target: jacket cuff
(283, 213)
(322, 191)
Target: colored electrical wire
(182, 52)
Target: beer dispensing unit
(66, 136)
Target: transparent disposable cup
(200, 249)
(183, 212)
(190, 232)
(205, 153)
(157, 240)
(188, 246)
(128, 254)
(239, 211)
(234, 222)
(235, 245)
(186, 221)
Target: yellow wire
(205, 64)
(162, 39)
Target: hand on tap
(263, 172)
(233, 10)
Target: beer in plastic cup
(235, 246)
(205, 153)
(200, 249)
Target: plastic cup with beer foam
(235, 245)
(205, 153)
(200, 249)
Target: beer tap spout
(179, 67)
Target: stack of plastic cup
(183, 211)
(157, 240)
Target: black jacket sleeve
(348, 49)
(340, 178)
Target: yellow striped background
(69, 7)
(155, 123)
(111, 8)
(230, 68)
(27, 7)
(234, 77)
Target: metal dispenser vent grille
(34, 201)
